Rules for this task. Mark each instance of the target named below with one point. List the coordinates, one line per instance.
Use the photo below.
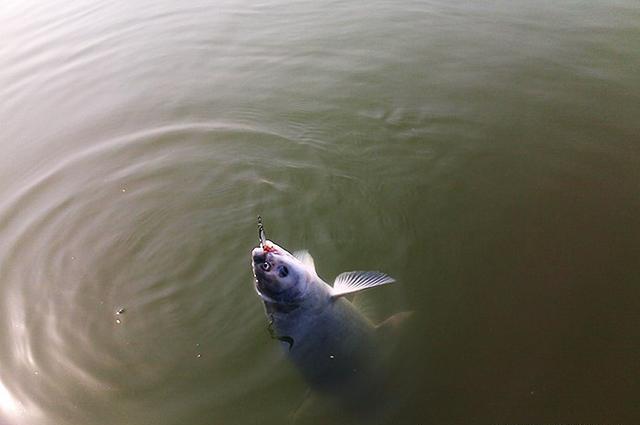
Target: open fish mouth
(261, 261)
(265, 258)
(262, 264)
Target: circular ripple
(119, 273)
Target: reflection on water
(484, 154)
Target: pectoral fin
(274, 335)
(286, 339)
(351, 282)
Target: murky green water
(485, 154)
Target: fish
(332, 344)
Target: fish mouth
(265, 281)
(258, 256)
(262, 264)
(265, 256)
(262, 261)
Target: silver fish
(331, 343)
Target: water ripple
(144, 223)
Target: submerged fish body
(332, 344)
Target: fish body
(331, 343)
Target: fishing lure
(262, 238)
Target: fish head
(280, 277)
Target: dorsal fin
(351, 282)
(306, 259)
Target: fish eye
(283, 271)
(265, 266)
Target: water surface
(485, 154)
